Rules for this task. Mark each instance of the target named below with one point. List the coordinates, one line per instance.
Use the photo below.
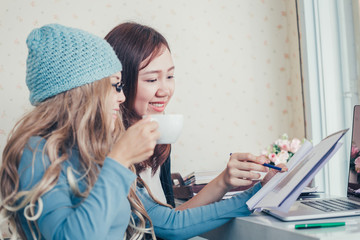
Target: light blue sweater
(105, 213)
(171, 224)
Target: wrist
(222, 183)
(119, 158)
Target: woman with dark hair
(148, 72)
(142, 43)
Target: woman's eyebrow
(157, 71)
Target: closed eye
(151, 80)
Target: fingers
(237, 182)
(148, 124)
(236, 178)
(137, 144)
(250, 158)
(243, 174)
(243, 168)
(283, 167)
(248, 162)
(148, 127)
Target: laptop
(317, 208)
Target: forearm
(212, 192)
(171, 224)
(241, 171)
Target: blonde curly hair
(74, 118)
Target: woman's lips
(158, 106)
(115, 113)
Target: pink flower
(272, 157)
(282, 157)
(295, 145)
(284, 144)
(354, 151)
(281, 150)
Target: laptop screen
(354, 172)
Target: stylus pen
(319, 225)
(272, 166)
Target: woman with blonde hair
(65, 170)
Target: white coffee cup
(170, 126)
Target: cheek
(112, 99)
(143, 97)
(140, 105)
(172, 88)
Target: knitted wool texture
(62, 58)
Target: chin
(151, 112)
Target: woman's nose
(121, 97)
(165, 88)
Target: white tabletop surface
(262, 226)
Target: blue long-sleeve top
(172, 224)
(103, 214)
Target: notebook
(331, 207)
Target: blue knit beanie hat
(62, 58)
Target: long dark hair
(133, 43)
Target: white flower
(284, 144)
(295, 145)
(265, 152)
(282, 157)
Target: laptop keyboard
(332, 205)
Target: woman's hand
(242, 169)
(137, 143)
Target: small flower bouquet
(282, 149)
(355, 158)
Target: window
(329, 59)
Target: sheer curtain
(330, 79)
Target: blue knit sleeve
(105, 211)
(171, 224)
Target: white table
(262, 226)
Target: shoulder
(33, 162)
(33, 150)
(35, 143)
